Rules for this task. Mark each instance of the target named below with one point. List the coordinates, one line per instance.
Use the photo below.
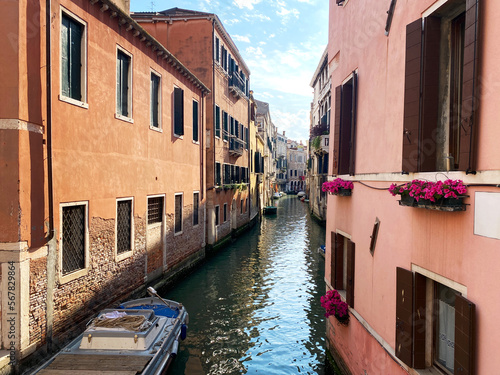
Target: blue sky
(281, 41)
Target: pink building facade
(414, 97)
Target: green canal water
(254, 307)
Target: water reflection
(254, 307)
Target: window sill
(63, 279)
(178, 136)
(155, 225)
(123, 256)
(124, 118)
(76, 103)
(156, 129)
(196, 142)
(178, 233)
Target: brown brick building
(102, 164)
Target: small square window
(155, 210)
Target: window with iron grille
(155, 210)
(123, 226)
(196, 206)
(178, 213)
(73, 238)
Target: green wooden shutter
(178, 111)
(411, 117)
(217, 121)
(470, 98)
(195, 121)
(225, 125)
(65, 65)
(76, 31)
(345, 129)
(465, 312)
(155, 98)
(404, 310)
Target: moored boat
(139, 337)
(270, 210)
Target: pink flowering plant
(333, 187)
(432, 191)
(333, 304)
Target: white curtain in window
(446, 345)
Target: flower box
(333, 305)
(440, 196)
(338, 187)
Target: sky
(281, 42)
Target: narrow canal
(255, 306)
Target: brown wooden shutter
(419, 321)
(333, 245)
(430, 95)
(350, 273)
(336, 130)
(411, 118)
(354, 104)
(464, 336)
(404, 310)
(470, 99)
(345, 129)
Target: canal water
(254, 308)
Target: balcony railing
(237, 85)
(236, 146)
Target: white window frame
(63, 279)
(79, 103)
(182, 213)
(126, 254)
(118, 116)
(160, 127)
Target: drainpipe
(51, 239)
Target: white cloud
(295, 124)
(287, 14)
(246, 3)
(255, 52)
(240, 38)
(231, 22)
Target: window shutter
(419, 321)
(465, 312)
(349, 288)
(339, 261)
(75, 60)
(155, 83)
(124, 85)
(345, 129)
(336, 131)
(411, 118)
(178, 111)
(65, 64)
(195, 121)
(404, 310)
(354, 102)
(430, 94)
(470, 98)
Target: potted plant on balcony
(333, 305)
(338, 187)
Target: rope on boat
(129, 322)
